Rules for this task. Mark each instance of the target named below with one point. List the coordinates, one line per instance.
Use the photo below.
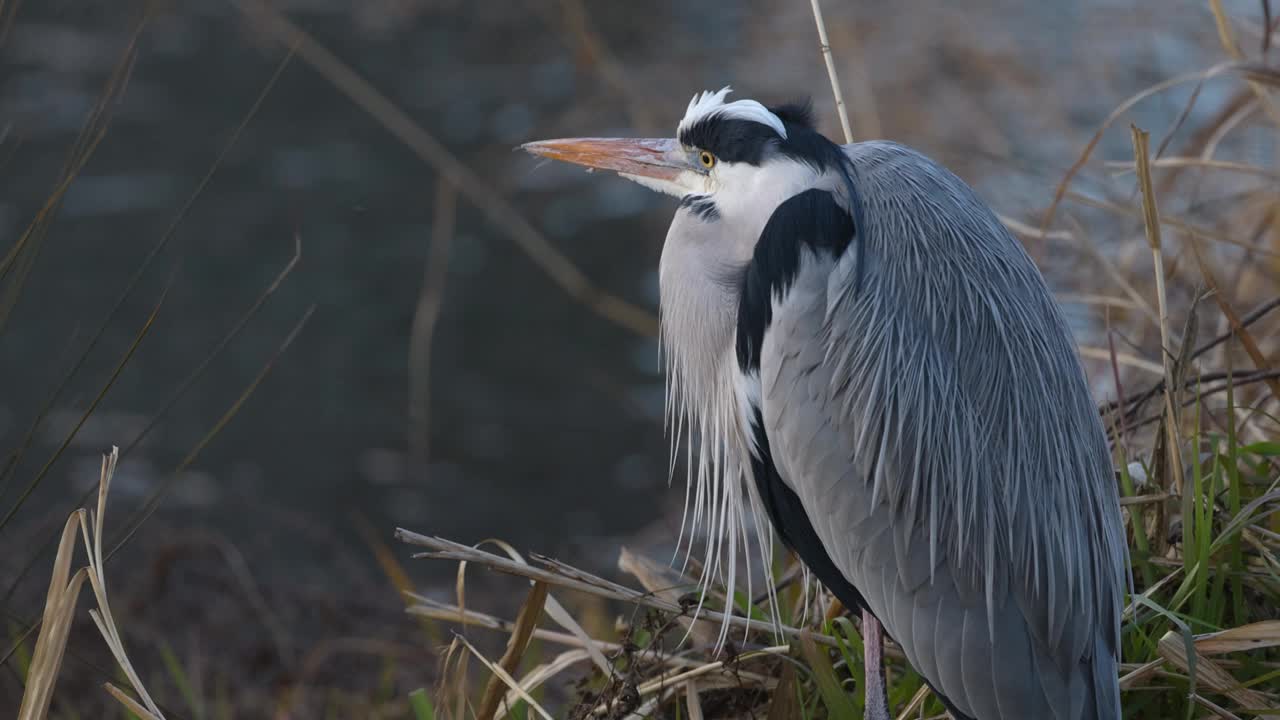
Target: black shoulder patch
(811, 219)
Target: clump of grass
(60, 607)
(1201, 632)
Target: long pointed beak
(658, 158)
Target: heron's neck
(699, 318)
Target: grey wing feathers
(943, 442)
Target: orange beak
(662, 159)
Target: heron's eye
(707, 159)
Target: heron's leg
(873, 668)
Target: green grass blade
(421, 704)
(839, 705)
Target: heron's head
(730, 163)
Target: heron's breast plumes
(703, 407)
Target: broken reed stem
(439, 548)
(1151, 221)
(526, 622)
(825, 46)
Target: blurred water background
(545, 418)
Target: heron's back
(936, 426)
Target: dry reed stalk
(526, 622)
(825, 46)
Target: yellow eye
(707, 159)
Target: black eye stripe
(729, 139)
(732, 140)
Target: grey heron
(864, 354)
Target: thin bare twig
(443, 549)
(501, 213)
(825, 46)
(1246, 338)
(1244, 69)
(425, 316)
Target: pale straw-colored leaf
(506, 678)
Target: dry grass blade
(526, 622)
(917, 702)
(544, 672)
(59, 609)
(506, 679)
(692, 701)
(1122, 358)
(1253, 636)
(102, 617)
(1220, 712)
(1184, 162)
(785, 704)
(1140, 674)
(1210, 673)
(501, 213)
(130, 704)
(428, 608)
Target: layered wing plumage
(934, 423)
